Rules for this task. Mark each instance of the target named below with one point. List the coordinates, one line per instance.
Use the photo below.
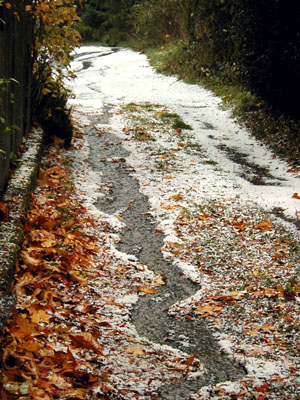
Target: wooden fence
(15, 81)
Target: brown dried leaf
(87, 341)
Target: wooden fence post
(15, 62)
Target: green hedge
(253, 42)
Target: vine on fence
(55, 38)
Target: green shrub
(53, 114)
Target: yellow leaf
(8, 6)
(28, 8)
(169, 177)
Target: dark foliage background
(252, 42)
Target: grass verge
(278, 131)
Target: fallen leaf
(48, 243)
(163, 157)
(40, 316)
(267, 328)
(265, 225)
(169, 207)
(136, 351)
(177, 197)
(253, 331)
(240, 225)
(146, 289)
(202, 217)
(225, 298)
(296, 196)
(86, 340)
(190, 361)
(158, 281)
(262, 388)
(4, 212)
(209, 309)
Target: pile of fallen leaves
(43, 345)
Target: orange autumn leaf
(164, 157)
(177, 197)
(265, 225)
(296, 196)
(22, 326)
(31, 345)
(146, 289)
(169, 207)
(240, 225)
(202, 217)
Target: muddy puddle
(140, 238)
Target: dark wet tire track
(141, 239)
